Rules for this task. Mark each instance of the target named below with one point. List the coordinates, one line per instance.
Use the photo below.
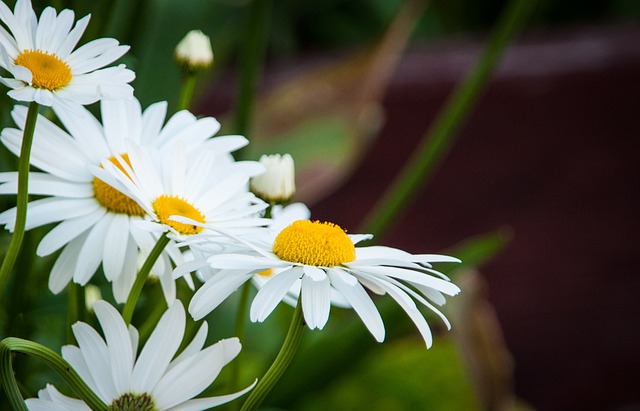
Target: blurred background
(538, 193)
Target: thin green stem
(53, 360)
(251, 62)
(439, 138)
(130, 305)
(186, 91)
(281, 363)
(23, 197)
(240, 331)
(75, 308)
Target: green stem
(53, 360)
(23, 197)
(281, 363)
(240, 331)
(75, 308)
(130, 305)
(186, 92)
(251, 61)
(439, 138)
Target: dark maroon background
(551, 151)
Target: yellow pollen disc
(166, 206)
(47, 70)
(314, 243)
(112, 199)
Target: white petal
(91, 252)
(215, 291)
(67, 231)
(118, 343)
(96, 356)
(413, 277)
(359, 299)
(115, 246)
(193, 348)
(210, 402)
(189, 379)
(316, 301)
(159, 350)
(65, 265)
(272, 293)
(409, 307)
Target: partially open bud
(277, 184)
(193, 53)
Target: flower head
(43, 66)
(186, 192)
(152, 380)
(193, 52)
(277, 183)
(321, 261)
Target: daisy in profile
(150, 380)
(324, 262)
(43, 66)
(98, 223)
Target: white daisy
(152, 380)
(186, 193)
(44, 67)
(98, 222)
(323, 259)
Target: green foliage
(402, 375)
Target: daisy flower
(151, 380)
(325, 261)
(43, 66)
(98, 223)
(186, 193)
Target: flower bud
(193, 53)
(91, 295)
(277, 183)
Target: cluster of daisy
(118, 184)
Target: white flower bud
(194, 52)
(277, 183)
(91, 295)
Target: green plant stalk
(186, 91)
(53, 360)
(438, 140)
(23, 197)
(75, 308)
(251, 63)
(141, 278)
(240, 331)
(281, 363)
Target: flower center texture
(112, 199)
(48, 71)
(314, 243)
(166, 206)
(132, 402)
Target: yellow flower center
(47, 70)
(166, 206)
(266, 273)
(112, 199)
(314, 243)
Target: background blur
(546, 164)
